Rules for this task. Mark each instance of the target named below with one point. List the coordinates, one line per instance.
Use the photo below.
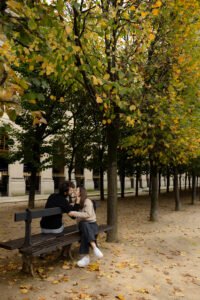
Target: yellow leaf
(94, 266)
(26, 50)
(120, 297)
(157, 4)
(24, 291)
(76, 48)
(5, 95)
(132, 8)
(31, 67)
(49, 69)
(32, 101)
(151, 36)
(99, 99)
(14, 5)
(104, 122)
(55, 282)
(109, 121)
(65, 279)
(155, 12)
(52, 97)
(181, 59)
(106, 76)
(132, 107)
(143, 291)
(103, 24)
(66, 267)
(96, 80)
(62, 99)
(68, 30)
(144, 14)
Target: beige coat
(87, 213)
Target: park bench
(35, 245)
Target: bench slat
(36, 238)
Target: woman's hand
(71, 214)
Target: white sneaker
(83, 262)
(97, 252)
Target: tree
(39, 121)
(163, 132)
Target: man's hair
(65, 186)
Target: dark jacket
(57, 200)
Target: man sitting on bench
(54, 224)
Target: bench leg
(27, 264)
(66, 252)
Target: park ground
(151, 261)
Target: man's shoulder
(56, 196)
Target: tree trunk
(132, 182)
(147, 180)
(150, 183)
(112, 140)
(137, 183)
(101, 172)
(189, 182)
(194, 194)
(69, 174)
(185, 181)
(122, 183)
(168, 181)
(154, 194)
(31, 200)
(159, 183)
(70, 171)
(71, 165)
(180, 185)
(176, 191)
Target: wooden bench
(34, 245)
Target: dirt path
(152, 260)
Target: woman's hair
(65, 186)
(83, 196)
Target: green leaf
(59, 6)
(32, 25)
(11, 113)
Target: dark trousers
(88, 233)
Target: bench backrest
(30, 214)
(37, 213)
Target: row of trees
(134, 64)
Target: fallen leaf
(94, 267)
(23, 291)
(120, 297)
(142, 291)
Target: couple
(83, 210)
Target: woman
(88, 227)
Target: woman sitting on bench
(88, 227)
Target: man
(54, 224)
